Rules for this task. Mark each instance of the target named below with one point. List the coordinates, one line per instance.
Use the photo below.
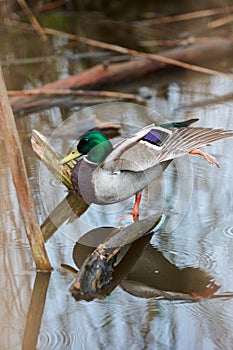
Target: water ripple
(195, 258)
(228, 231)
(49, 182)
(55, 339)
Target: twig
(31, 60)
(50, 6)
(19, 174)
(220, 22)
(185, 16)
(65, 92)
(187, 41)
(36, 25)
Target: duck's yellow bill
(73, 155)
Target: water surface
(197, 199)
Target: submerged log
(169, 281)
(110, 73)
(100, 273)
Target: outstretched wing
(155, 144)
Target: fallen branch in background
(46, 98)
(85, 93)
(110, 73)
(119, 96)
(185, 16)
(166, 59)
(220, 22)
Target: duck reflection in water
(153, 275)
(139, 268)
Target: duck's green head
(94, 144)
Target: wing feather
(134, 154)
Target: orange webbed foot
(210, 159)
(208, 292)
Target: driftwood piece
(110, 73)
(20, 179)
(139, 264)
(98, 275)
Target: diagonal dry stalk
(36, 25)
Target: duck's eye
(85, 140)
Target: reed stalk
(19, 174)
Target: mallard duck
(105, 174)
